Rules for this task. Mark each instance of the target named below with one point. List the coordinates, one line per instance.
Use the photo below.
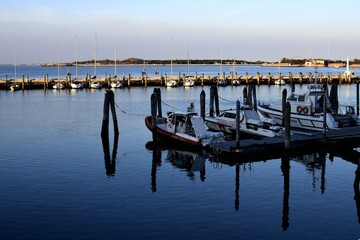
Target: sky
(42, 31)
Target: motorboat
(95, 85)
(14, 87)
(279, 82)
(184, 127)
(171, 83)
(76, 84)
(58, 86)
(116, 84)
(307, 110)
(189, 81)
(251, 124)
(235, 82)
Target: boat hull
(162, 134)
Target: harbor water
(57, 183)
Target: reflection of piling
(237, 187)
(237, 124)
(285, 168)
(287, 125)
(156, 162)
(356, 190)
(202, 104)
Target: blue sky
(252, 30)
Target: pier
(26, 82)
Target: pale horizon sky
(40, 31)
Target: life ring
(305, 110)
(299, 109)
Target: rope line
(133, 114)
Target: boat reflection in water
(313, 161)
(188, 161)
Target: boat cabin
(309, 103)
(180, 122)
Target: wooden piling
(254, 97)
(113, 112)
(153, 115)
(300, 78)
(129, 80)
(284, 94)
(245, 96)
(216, 96)
(202, 104)
(357, 98)
(237, 124)
(287, 118)
(202, 80)
(212, 92)
(324, 117)
(23, 82)
(105, 122)
(157, 92)
(269, 79)
(45, 82)
(250, 95)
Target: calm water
(55, 183)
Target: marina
(52, 145)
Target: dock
(346, 137)
(26, 82)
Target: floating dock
(345, 137)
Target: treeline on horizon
(203, 61)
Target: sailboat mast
(95, 49)
(188, 61)
(221, 63)
(15, 62)
(115, 73)
(58, 50)
(76, 57)
(171, 58)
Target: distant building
(316, 63)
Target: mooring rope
(169, 105)
(133, 114)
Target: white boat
(307, 111)
(189, 81)
(58, 86)
(235, 82)
(76, 85)
(15, 87)
(116, 84)
(279, 82)
(250, 123)
(171, 83)
(184, 127)
(95, 85)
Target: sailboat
(58, 85)
(189, 81)
(347, 72)
(171, 82)
(75, 83)
(117, 83)
(221, 82)
(279, 81)
(95, 84)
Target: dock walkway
(349, 137)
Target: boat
(171, 83)
(235, 82)
(14, 87)
(58, 86)
(184, 127)
(95, 85)
(251, 124)
(307, 111)
(189, 81)
(279, 82)
(76, 84)
(116, 84)
(222, 83)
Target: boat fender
(305, 110)
(299, 109)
